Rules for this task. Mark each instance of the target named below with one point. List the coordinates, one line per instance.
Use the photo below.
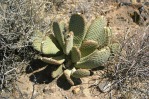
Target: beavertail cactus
(44, 43)
(96, 31)
(77, 25)
(75, 49)
(57, 72)
(95, 59)
(79, 73)
(88, 47)
(75, 54)
(58, 29)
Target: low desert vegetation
(70, 27)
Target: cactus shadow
(64, 84)
(41, 77)
(40, 72)
(98, 68)
(35, 65)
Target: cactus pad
(95, 59)
(57, 72)
(44, 44)
(81, 73)
(58, 29)
(68, 43)
(88, 47)
(115, 48)
(96, 31)
(75, 54)
(53, 60)
(108, 30)
(77, 25)
(67, 74)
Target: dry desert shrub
(131, 67)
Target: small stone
(105, 86)
(76, 90)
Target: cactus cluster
(76, 49)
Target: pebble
(105, 86)
(76, 90)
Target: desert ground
(23, 77)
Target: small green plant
(75, 49)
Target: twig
(9, 71)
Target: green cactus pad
(68, 43)
(79, 73)
(58, 29)
(75, 54)
(88, 47)
(44, 44)
(58, 60)
(115, 48)
(96, 31)
(77, 25)
(67, 74)
(57, 72)
(95, 59)
(108, 30)
(54, 40)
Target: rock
(76, 90)
(105, 86)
